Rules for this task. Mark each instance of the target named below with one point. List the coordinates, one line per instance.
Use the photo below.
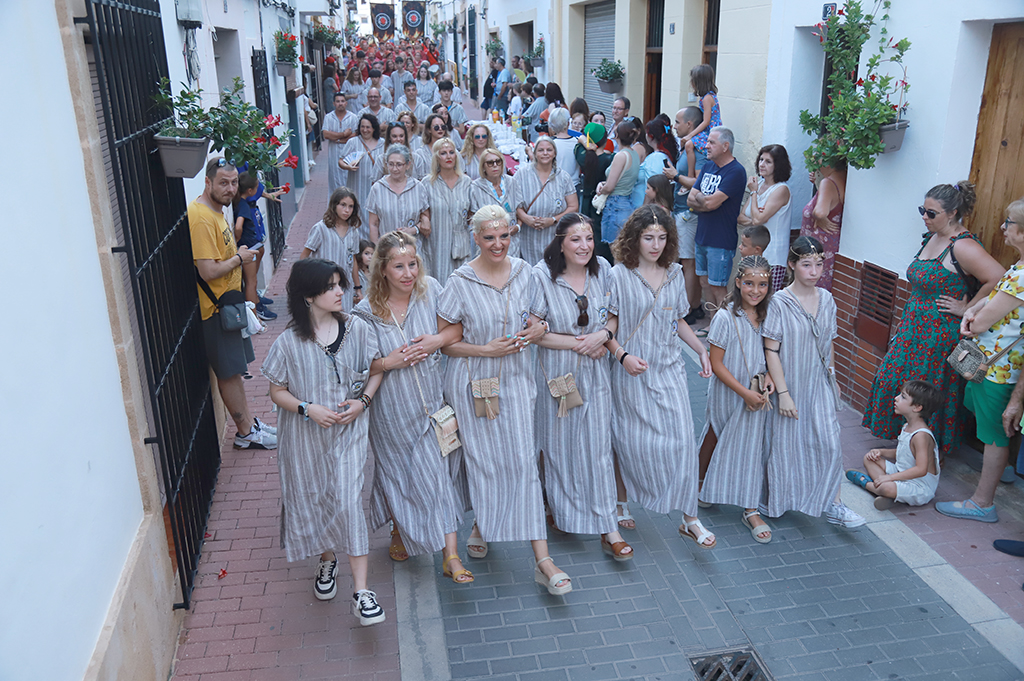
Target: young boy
(249, 232)
(909, 473)
(754, 240)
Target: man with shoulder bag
(221, 302)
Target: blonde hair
(554, 147)
(487, 216)
(1016, 211)
(382, 255)
(467, 144)
(435, 160)
(483, 160)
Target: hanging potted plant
(246, 135)
(286, 53)
(609, 75)
(494, 47)
(862, 120)
(536, 55)
(184, 138)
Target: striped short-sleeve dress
(325, 243)
(483, 193)
(736, 473)
(322, 468)
(579, 474)
(418, 170)
(449, 218)
(411, 482)
(500, 455)
(652, 427)
(805, 456)
(361, 180)
(550, 202)
(397, 210)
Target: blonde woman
(490, 296)
(477, 139)
(544, 193)
(448, 246)
(411, 484)
(494, 187)
(434, 129)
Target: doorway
(652, 60)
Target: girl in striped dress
(805, 458)
(737, 416)
(336, 238)
(652, 428)
(490, 297)
(411, 483)
(571, 294)
(319, 371)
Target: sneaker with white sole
(256, 439)
(326, 585)
(366, 608)
(839, 514)
(266, 428)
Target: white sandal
(624, 515)
(757, 529)
(542, 579)
(699, 539)
(476, 547)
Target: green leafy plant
(186, 116)
(494, 46)
(327, 35)
(858, 107)
(438, 29)
(609, 70)
(538, 51)
(286, 48)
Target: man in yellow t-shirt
(219, 263)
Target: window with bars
(875, 307)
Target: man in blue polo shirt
(717, 198)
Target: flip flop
(858, 478)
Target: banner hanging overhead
(383, 18)
(412, 19)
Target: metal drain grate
(730, 665)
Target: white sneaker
(264, 427)
(839, 514)
(256, 439)
(326, 586)
(366, 608)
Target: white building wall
(70, 503)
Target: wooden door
(997, 168)
(652, 86)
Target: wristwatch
(303, 411)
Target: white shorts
(686, 225)
(916, 492)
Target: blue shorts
(714, 263)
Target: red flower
(839, 12)
(895, 108)
(222, 574)
(260, 140)
(292, 161)
(873, 77)
(287, 187)
(860, 83)
(274, 142)
(271, 121)
(301, 59)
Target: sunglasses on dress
(582, 303)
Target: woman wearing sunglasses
(442, 111)
(950, 273)
(572, 289)
(448, 190)
(493, 186)
(434, 129)
(477, 139)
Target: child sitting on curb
(909, 473)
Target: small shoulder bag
(758, 382)
(486, 390)
(230, 306)
(968, 360)
(824, 361)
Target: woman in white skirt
(336, 238)
(490, 382)
(652, 427)
(448, 194)
(319, 371)
(411, 483)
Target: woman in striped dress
(396, 133)
(733, 449)
(543, 195)
(434, 130)
(360, 174)
(411, 483)
(336, 238)
(571, 294)
(494, 187)
(412, 124)
(490, 297)
(319, 371)
(805, 458)
(652, 427)
(478, 138)
(398, 201)
(448, 189)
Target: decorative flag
(383, 17)
(412, 19)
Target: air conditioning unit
(189, 13)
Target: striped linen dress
(805, 458)
(482, 193)
(449, 219)
(500, 455)
(336, 177)
(411, 482)
(384, 115)
(322, 468)
(736, 473)
(380, 166)
(550, 202)
(325, 243)
(396, 211)
(362, 179)
(579, 474)
(652, 428)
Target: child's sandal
(858, 478)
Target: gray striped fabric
(336, 177)
(805, 457)
(737, 470)
(500, 455)
(449, 211)
(362, 179)
(652, 428)
(411, 483)
(482, 193)
(322, 468)
(397, 210)
(325, 243)
(419, 170)
(551, 201)
(579, 476)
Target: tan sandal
(756, 530)
(397, 549)
(698, 539)
(476, 547)
(617, 550)
(551, 582)
(458, 573)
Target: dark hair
(626, 248)
(392, 126)
(360, 54)
(759, 236)
(329, 71)
(553, 93)
(956, 198)
(627, 133)
(553, 256)
(408, 84)
(247, 181)
(703, 78)
(215, 164)
(748, 264)
(330, 216)
(445, 85)
(539, 90)
(801, 246)
(375, 73)
(579, 105)
(693, 115)
(339, 93)
(308, 279)
(925, 395)
(641, 137)
(624, 100)
(664, 191)
(661, 133)
(364, 244)
(780, 157)
(373, 121)
(596, 113)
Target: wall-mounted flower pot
(536, 61)
(182, 156)
(610, 85)
(892, 135)
(284, 68)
